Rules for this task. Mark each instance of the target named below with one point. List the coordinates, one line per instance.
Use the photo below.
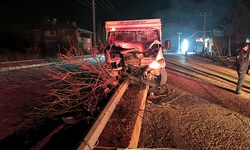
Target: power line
(107, 10)
(88, 2)
(197, 21)
(192, 35)
(112, 13)
(194, 24)
(115, 10)
(84, 3)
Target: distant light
(247, 40)
(201, 39)
(185, 45)
(113, 29)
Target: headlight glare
(154, 65)
(157, 64)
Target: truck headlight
(157, 64)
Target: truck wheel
(162, 78)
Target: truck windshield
(135, 36)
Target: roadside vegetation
(17, 56)
(79, 90)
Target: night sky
(177, 15)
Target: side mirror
(167, 44)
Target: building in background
(51, 36)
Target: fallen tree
(77, 91)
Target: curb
(92, 136)
(134, 139)
(137, 129)
(18, 66)
(24, 66)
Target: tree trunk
(229, 46)
(215, 44)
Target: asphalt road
(214, 83)
(199, 109)
(20, 90)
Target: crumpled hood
(126, 45)
(141, 47)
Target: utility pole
(179, 42)
(203, 46)
(94, 32)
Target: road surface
(214, 83)
(198, 109)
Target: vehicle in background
(134, 47)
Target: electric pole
(94, 32)
(203, 46)
(179, 42)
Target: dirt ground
(177, 119)
(119, 129)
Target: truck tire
(162, 78)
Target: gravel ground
(177, 119)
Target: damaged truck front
(134, 48)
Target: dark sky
(177, 15)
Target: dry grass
(16, 56)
